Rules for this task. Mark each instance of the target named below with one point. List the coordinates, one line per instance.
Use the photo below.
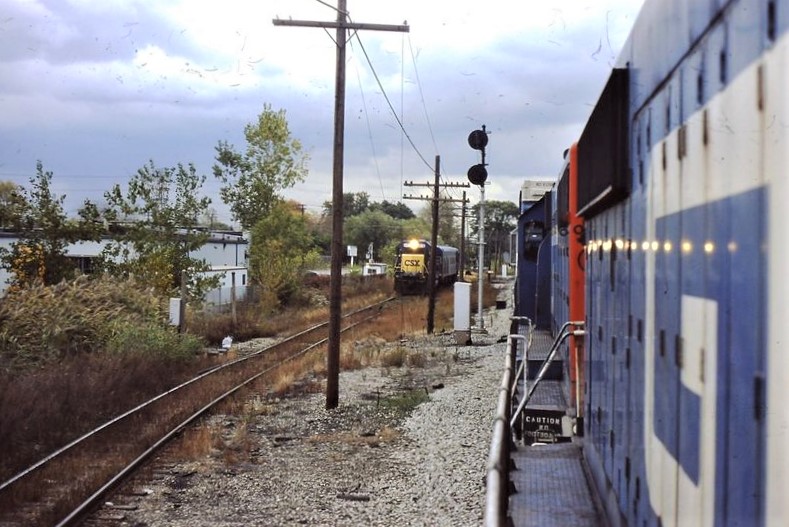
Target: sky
(96, 89)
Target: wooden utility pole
(431, 306)
(335, 285)
(431, 290)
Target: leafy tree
(372, 227)
(319, 227)
(161, 208)
(281, 250)
(44, 233)
(273, 161)
(500, 218)
(353, 204)
(416, 228)
(397, 210)
(11, 203)
(448, 229)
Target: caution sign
(542, 426)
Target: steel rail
(93, 500)
(58, 453)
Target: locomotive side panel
(684, 413)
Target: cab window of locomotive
(533, 233)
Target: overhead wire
(399, 119)
(421, 94)
(391, 107)
(370, 132)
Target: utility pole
(431, 302)
(335, 284)
(431, 306)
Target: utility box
(462, 313)
(175, 311)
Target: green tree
(44, 232)
(281, 250)
(448, 228)
(353, 204)
(500, 219)
(372, 227)
(416, 227)
(397, 210)
(160, 213)
(11, 203)
(252, 180)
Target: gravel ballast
(368, 462)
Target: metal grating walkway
(551, 483)
(552, 488)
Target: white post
(481, 256)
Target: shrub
(153, 340)
(44, 324)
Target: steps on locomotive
(545, 423)
(546, 418)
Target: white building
(225, 252)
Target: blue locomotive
(666, 239)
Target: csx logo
(411, 263)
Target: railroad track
(64, 486)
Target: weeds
(403, 404)
(45, 324)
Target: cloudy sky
(95, 89)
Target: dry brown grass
(387, 434)
(197, 442)
(362, 346)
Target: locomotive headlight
(413, 244)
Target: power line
(391, 108)
(421, 94)
(370, 132)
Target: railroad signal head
(478, 139)
(477, 174)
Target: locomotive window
(603, 150)
(533, 233)
(563, 201)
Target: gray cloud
(77, 93)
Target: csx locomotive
(412, 266)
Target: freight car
(668, 240)
(412, 266)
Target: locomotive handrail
(527, 340)
(497, 476)
(564, 332)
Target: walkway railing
(497, 477)
(564, 332)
